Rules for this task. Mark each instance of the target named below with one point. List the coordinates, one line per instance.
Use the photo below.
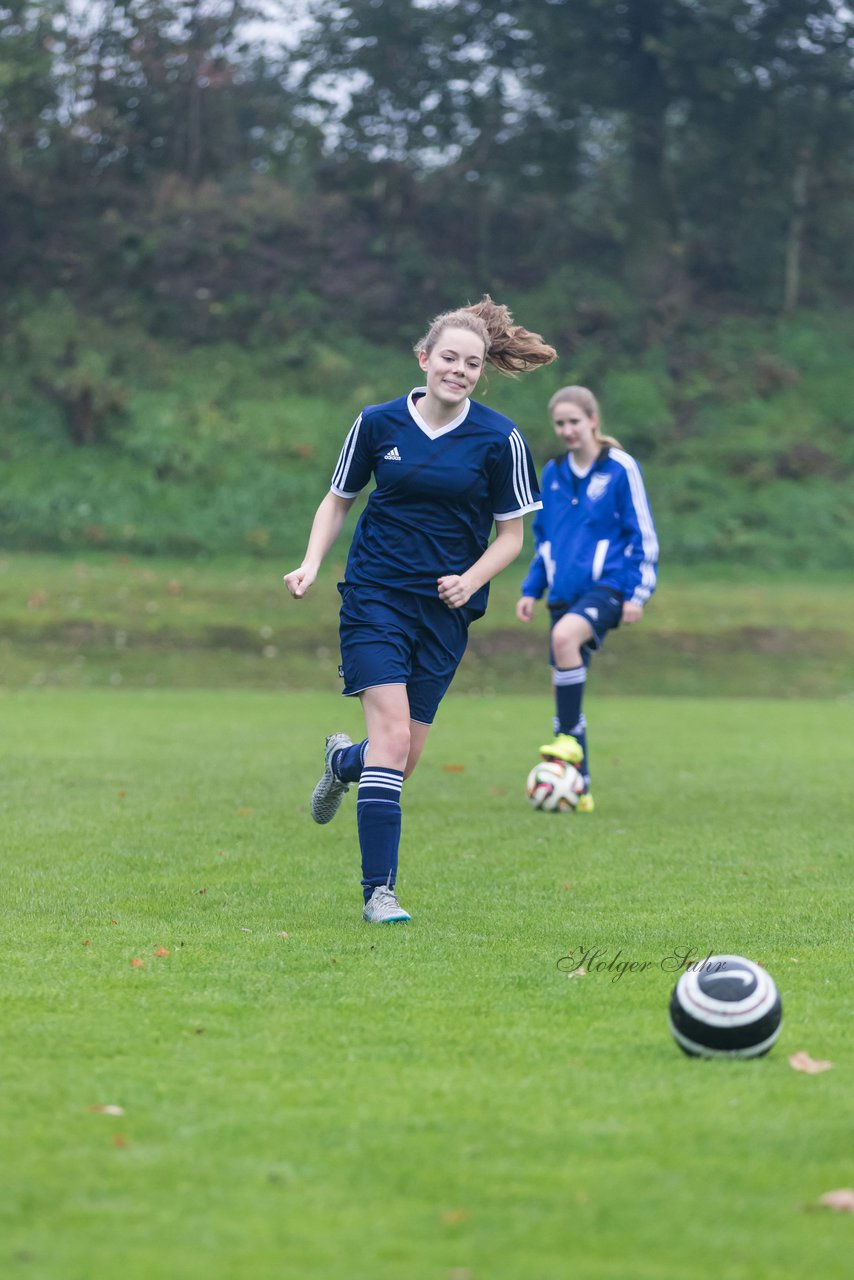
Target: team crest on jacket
(597, 486)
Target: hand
(632, 612)
(299, 580)
(525, 608)
(454, 591)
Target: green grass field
(104, 620)
(303, 1096)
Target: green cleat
(585, 803)
(565, 748)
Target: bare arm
(457, 589)
(326, 526)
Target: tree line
(181, 162)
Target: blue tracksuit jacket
(593, 530)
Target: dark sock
(378, 816)
(569, 691)
(348, 762)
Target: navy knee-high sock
(347, 764)
(378, 818)
(569, 692)
(569, 684)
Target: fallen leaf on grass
(108, 1109)
(119, 1140)
(841, 1200)
(87, 942)
(161, 951)
(802, 1061)
(454, 768)
(283, 935)
(243, 813)
(136, 963)
(453, 1217)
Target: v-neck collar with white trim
(434, 432)
(578, 472)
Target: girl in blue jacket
(596, 553)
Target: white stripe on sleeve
(649, 542)
(345, 458)
(521, 478)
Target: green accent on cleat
(383, 907)
(565, 748)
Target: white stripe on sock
(572, 675)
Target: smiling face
(452, 369)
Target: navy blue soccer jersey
(437, 492)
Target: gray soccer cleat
(329, 792)
(383, 907)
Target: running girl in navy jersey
(596, 552)
(446, 469)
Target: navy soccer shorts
(602, 607)
(392, 637)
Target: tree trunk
(649, 252)
(795, 236)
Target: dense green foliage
(110, 438)
(218, 244)
(172, 150)
(276, 1089)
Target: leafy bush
(227, 448)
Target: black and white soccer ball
(725, 1007)
(554, 786)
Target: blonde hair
(585, 400)
(509, 348)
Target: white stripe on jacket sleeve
(643, 515)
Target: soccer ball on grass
(725, 1007)
(554, 786)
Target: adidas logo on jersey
(393, 455)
